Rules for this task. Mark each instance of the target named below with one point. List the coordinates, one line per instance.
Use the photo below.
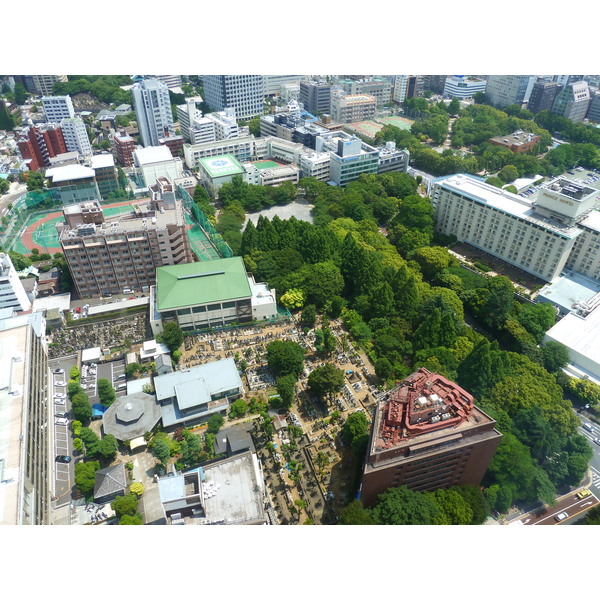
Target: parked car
(60, 401)
(63, 458)
(58, 371)
(60, 395)
(61, 421)
(60, 415)
(60, 383)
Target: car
(63, 458)
(584, 493)
(561, 517)
(60, 415)
(60, 383)
(60, 401)
(59, 395)
(58, 371)
(588, 426)
(121, 376)
(597, 441)
(61, 421)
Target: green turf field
(266, 164)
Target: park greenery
(403, 298)
(105, 88)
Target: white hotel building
(559, 229)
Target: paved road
(16, 190)
(595, 462)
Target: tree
(453, 508)
(238, 409)
(326, 380)
(293, 299)
(402, 506)
(555, 356)
(355, 514)
(133, 368)
(131, 520)
(356, 425)
(508, 173)
(81, 407)
(433, 259)
(137, 488)
(125, 505)
(7, 123)
(172, 336)
(106, 392)
(309, 315)
(85, 476)
(108, 447)
(286, 388)
(285, 358)
(454, 107)
(77, 444)
(215, 422)
(162, 450)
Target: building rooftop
(152, 154)
(102, 161)
(69, 172)
(191, 284)
(567, 290)
(110, 481)
(517, 138)
(221, 166)
(131, 416)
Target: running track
(27, 238)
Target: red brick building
(41, 145)
(517, 142)
(123, 146)
(427, 435)
(174, 143)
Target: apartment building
(121, 254)
(352, 108)
(123, 146)
(76, 136)
(26, 451)
(105, 173)
(57, 108)
(244, 93)
(427, 434)
(43, 85)
(153, 113)
(42, 144)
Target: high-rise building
(245, 93)
(415, 86)
(12, 292)
(427, 434)
(593, 113)
(105, 173)
(108, 256)
(42, 144)
(435, 83)
(153, 111)
(542, 96)
(76, 136)
(316, 96)
(171, 81)
(400, 88)
(123, 147)
(57, 108)
(198, 129)
(25, 445)
(503, 90)
(44, 84)
(573, 101)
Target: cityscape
(299, 300)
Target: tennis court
(201, 245)
(399, 122)
(365, 128)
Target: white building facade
(12, 292)
(57, 108)
(245, 93)
(153, 111)
(76, 136)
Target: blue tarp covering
(98, 410)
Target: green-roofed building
(204, 295)
(217, 170)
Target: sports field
(399, 122)
(266, 164)
(365, 128)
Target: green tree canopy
(172, 336)
(85, 476)
(326, 380)
(285, 357)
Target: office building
(316, 96)
(244, 93)
(392, 159)
(593, 113)
(242, 149)
(517, 142)
(350, 157)
(153, 113)
(415, 86)
(123, 146)
(351, 109)
(434, 83)
(26, 446)
(57, 108)
(12, 293)
(427, 434)
(463, 87)
(573, 101)
(199, 129)
(154, 162)
(43, 85)
(315, 164)
(121, 254)
(536, 236)
(400, 88)
(543, 95)
(503, 90)
(272, 176)
(42, 144)
(209, 294)
(380, 89)
(274, 83)
(193, 395)
(171, 81)
(76, 136)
